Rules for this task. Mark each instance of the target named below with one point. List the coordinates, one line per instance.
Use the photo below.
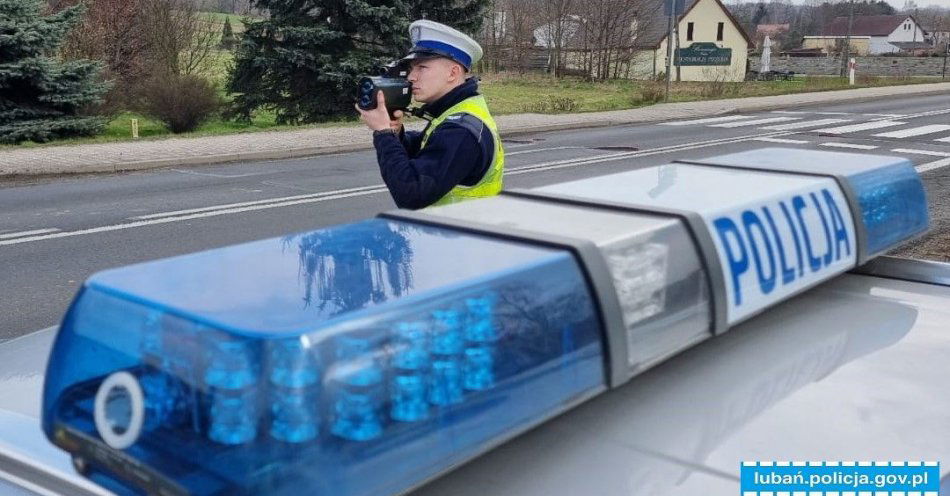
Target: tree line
(67, 66)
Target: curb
(304, 152)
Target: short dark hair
(456, 62)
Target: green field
(216, 21)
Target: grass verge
(509, 94)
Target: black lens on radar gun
(392, 82)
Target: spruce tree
(466, 16)
(40, 95)
(227, 35)
(304, 58)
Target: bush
(564, 104)
(551, 104)
(180, 102)
(652, 92)
(714, 89)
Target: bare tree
(112, 32)
(521, 18)
(492, 35)
(609, 33)
(560, 24)
(178, 36)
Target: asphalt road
(55, 232)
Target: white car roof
(856, 369)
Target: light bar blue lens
(893, 205)
(358, 360)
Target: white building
(886, 33)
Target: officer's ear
(458, 71)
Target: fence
(871, 66)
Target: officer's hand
(378, 118)
(396, 122)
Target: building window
(689, 31)
(719, 31)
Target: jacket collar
(465, 90)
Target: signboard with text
(703, 54)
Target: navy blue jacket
(459, 151)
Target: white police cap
(431, 39)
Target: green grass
(512, 95)
(506, 94)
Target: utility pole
(946, 51)
(669, 52)
(913, 50)
(847, 42)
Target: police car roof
(853, 370)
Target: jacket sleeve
(412, 141)
(451, 154)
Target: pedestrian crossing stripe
(853, 146)
(864, 126)
(782, 141)
(802, 125)
(915, 131)
(768, 120)
(725, 118)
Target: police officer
(459, 154)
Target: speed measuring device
(369, 358)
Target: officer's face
(433, 78)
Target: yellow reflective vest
(490, 184)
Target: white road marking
(783, 141)
(802, 125)
(129, 225)
(915, 131)
(707, 120)
(227, 206)
(522, 152)
(755, 122)
(943, 140)
(560, 164)
(212, 211)
(893, 116)
(936, 164)
(921, 152)
(849, 145)
(27, 233)
(223, 176)
(864, 126)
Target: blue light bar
(893, 205)
(884, 192)
(357, 360)
(771, 222)
(368, 358)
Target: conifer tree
(41, 96)
(304, 58)
(227, 35)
